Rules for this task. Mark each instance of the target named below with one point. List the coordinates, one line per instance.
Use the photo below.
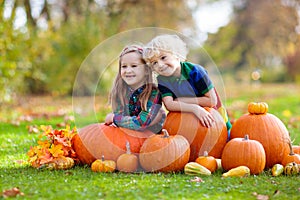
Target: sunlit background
(44, 42)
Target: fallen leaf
(276, 192)
(287, 113)
(262, 197)
(20, 161)
(26, 118)
(12, 192)
(68, 173)
(15, 122)
(56, 150)
(61, 124)
(197, 179)
(69, 118)
(33, 129)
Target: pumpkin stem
(205, 153)
(128, 151)
(291, 148)
(246, 137)
(102, 157)
(165, 132)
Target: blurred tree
(58, 35)
(292, 61)
(14, 62)
(257, 37)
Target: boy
(185, 86)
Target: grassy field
(81, 183)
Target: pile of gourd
(258, 141)
(270, 146)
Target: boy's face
(166, 64)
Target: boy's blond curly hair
(167, 43)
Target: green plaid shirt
(132, 116)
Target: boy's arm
(204, 117)
(208, 100)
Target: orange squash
(164, 153)
(96, 140)
(244, 152)
(268, 130)
(201, 138)
(127, 162)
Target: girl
(136, 101)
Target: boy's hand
(205, 118)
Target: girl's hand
(113, 125)
(205, 118)
(109, 119)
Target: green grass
(81, 183)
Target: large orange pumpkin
(84, 156)
(268, 130)
(164, 153)
(201, 138)
(244, 152)
(97, 140)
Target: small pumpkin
(207, 161)
(268, 130)
(258, 108)
(102, 165)
(291, 157)
(127, 162)
(296, 149)
(164, 153)
(243, 151)
(212, 139)
(291, 169)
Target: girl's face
(133, 70)
(166, 64)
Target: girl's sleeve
(144, 118)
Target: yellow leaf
(287, 113)
(44, 144)
(56, 150)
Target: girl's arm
(204, 116)
(208, 100)
(109, 119)
(158, 117)
(144, 119)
